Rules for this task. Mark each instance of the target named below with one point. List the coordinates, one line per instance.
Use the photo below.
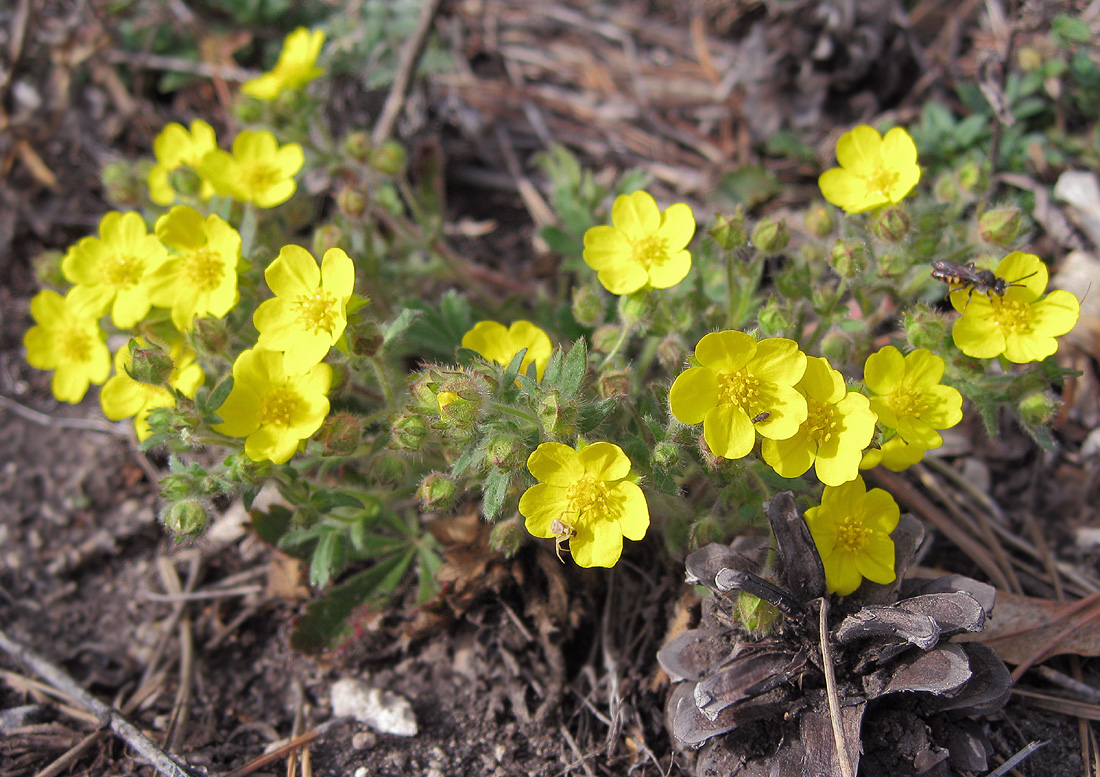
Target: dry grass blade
(830, 689)
(1045, 701)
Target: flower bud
(123, 184)
(211, 336)
(588, 306)
(364, 336)
(729, 232)
(341, 434)
(820, 221)
(771, 236)
(613, 383)
(925, 329)
(149, 364)
(558, 419)
(604, 338)
(774, 321)
(1037, 408)
(848, 258)
(756, 615)
(409, 432)
(666, 454)
(946, 188)
(635, 307)
(836, 347)
(187, 516)
(388, 468)
(973, 177)
(891, 224)
(999, 226)
(357, 145)
(186, 182)
(388, 158)
(505, 450)
(459, 402)
(436, 492)
(508, 537)
(423, 387)
(352, 202)
(47, 270)
(671, 353)
(327, 236)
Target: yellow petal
(677, 226)
(541, 505)
(725, 352)
(670, 272)
(628, 502)
(729, 432)
(694, 393)
(338, 274)
(636, 214)
(293, 273)
(604, 461)
(860, 150)
(556, 464)
(597, 545)
(606, 247)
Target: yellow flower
(297, 66)
(741, 387)
(110, 271)
(200, 279)
(874, 170)
(499, 344)
(68, 342)
(1022, 324)
(273, 410)
(124, 397)
(839, 425)
(908, 396)
(851, 529)
(259, 170)
(895, 454)
(309, 311)
(586, 496)
(175, 147)
(645, 247)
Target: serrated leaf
(574, 369)
(552, 374)
(327, 559)
(529, 385)
(466, 459)
(325, 620)
(594, 415)
(400, 325)
(496, 489)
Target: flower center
(260, 177)
(821, 421)
(649, 251)
(588, 495)
(123, 271)
(740, 389)
(851, 536)
(908, 401)
(882, 180)
(1011, 315)
(75, 345)
(315, 311)
(279, 406)
(204, 269)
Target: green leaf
(326, 619)
(561, 242)
(852, 325)
(496, 489)
(328, 558)
(429, 565)
(249, 494)
(595, 414)
(218, 396)
(1071, 28)
(329, 500)
(400, 325)
(552, 374)
(750, 186)
(574, 369)
(508, 378)
(273, 524)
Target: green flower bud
(671, 353)
(773, 320)
(973, 177)
(422, 388)
(341, 434)
(508, 537)
(729, 232)
(388, 158)
(589, 306)
(635, 307)
(771, 236)
(505, 450)
(604, 338)
(1037, 408)
(364, 336)
(352, 202)
(613, 383)
(891, 224)
(459, 401)
(811, 253)
(436, 492)
(386, 197)
(249, 111)
(756, 615)
(149, 364)
(946, 188)
(925, 329)
(357, 145)
(558, 419)
(999, 226)
(327, 236)
(123, 184)
(409, 432)
(389, 468)
(666, 454)
(47, 269)
(837, 347)
(184, 517)
(848, 258)
(211, 336)
(185, 181)
(820, 221)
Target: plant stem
(623, 335)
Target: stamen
(649, 251)
(279, 406)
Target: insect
(563, 532)
(761, 417)
(969, 276)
